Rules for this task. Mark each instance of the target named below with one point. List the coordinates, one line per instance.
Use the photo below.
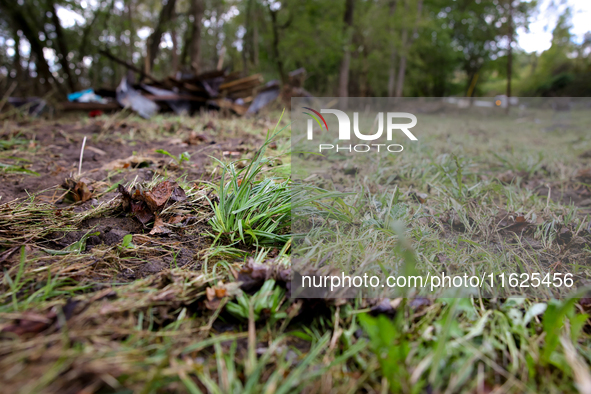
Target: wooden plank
(242, 93)
(241, 87)
(167, 97)
(255, 77)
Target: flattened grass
(156, 335)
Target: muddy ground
(115, 152)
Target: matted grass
(138, 315)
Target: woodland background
(348, 47)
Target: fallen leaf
(145, 205)
(158, 196)
(162, 193)
(516, 225)
(81, 192)
(142, 212)
(78, 190)
(159, 227)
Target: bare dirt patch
(52, 149)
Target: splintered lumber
(243, 93)
(167, 97)
(255, 79)
(186, 85)
(193, 88)
(240, 88)
(184, 91)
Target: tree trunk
(174, 66)
(401, 75)
(346, 62)
(246, 41)
(406, 43)
(18, 67)
(166, 14)
(197, 14)
(510, 56)
(185, 51)
(392, 73)
(19, 22)
(472, 86)
(255, 44)
(131, 43)
(62, 48)
(392, 69)
(278, 58)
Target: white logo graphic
(345, 129)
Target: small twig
(81, 155)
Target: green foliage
(127, 242)
(554, 318)
(555, 72)
(456, 43)
(391, 346)
(75, 248)
(179, 159)
(250, 210)
(267, 301)
(14, 168)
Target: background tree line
(348, 47)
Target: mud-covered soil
(52, 149)
(45, 156)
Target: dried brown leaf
(159, 226)
(81, 192)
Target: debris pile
(182, 94)
(147, 205)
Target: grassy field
(164, 264)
